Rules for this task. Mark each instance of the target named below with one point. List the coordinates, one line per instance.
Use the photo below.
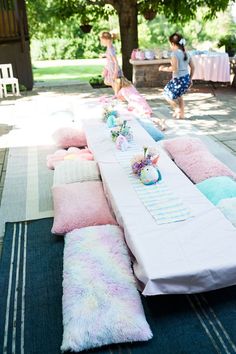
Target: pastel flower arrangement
(123, 130)
(149, 157)
(111, 117)
(109, 111)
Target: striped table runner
(159, 200)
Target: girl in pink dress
(127, 92)
(137, 103)
(112, 70)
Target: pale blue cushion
(151, 129)
(218, 188)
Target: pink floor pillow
(73, 153)
(101, 304)
(78, 205)
(178, 146)
(201, 165)
(68, 136)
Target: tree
(179, 11)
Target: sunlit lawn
(52, 71)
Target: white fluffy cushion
(70, 171)
(228, 208)
(101, 304)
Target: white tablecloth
(214, 67)
(194, 255)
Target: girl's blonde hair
(108, 35)
(122, 82)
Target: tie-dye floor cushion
(228, 208)
(101, 304)
(71, 171)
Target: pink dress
(110, 66)
(135, 101)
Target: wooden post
(14, 40)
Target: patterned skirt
(108, 74)
(177, 87)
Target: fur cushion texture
(66, 137)
(71, 171)
(200, 166)
(218, 188)
(194, 159)
(228, 207)
(73, 153)
(151, 129)
(183, 146)
(78, 205)
(101, 304)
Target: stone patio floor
(210, 108)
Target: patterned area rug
(27, 187)
(31, 313)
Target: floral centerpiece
(124, 130)
(109, 111)
(149, 157)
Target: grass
(55, 71)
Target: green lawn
(82, 71)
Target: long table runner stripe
(159, 199)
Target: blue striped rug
(31, 312)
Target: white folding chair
(7, 78)
(1, 91)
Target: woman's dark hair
(176, 38)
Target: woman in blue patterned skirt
(182, 79)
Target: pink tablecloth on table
(212, 67)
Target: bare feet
(160, 123)
(177, 114)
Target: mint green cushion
(218, 188)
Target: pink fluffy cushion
(78, 205)
(179, 146)
(68, 136)
(73, 153)
(201, 165)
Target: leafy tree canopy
(176, 11)
(180, 11)
(89, 11)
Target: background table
(212, 67)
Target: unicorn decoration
(122, 143)
(149, 175)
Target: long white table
(194, 255)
